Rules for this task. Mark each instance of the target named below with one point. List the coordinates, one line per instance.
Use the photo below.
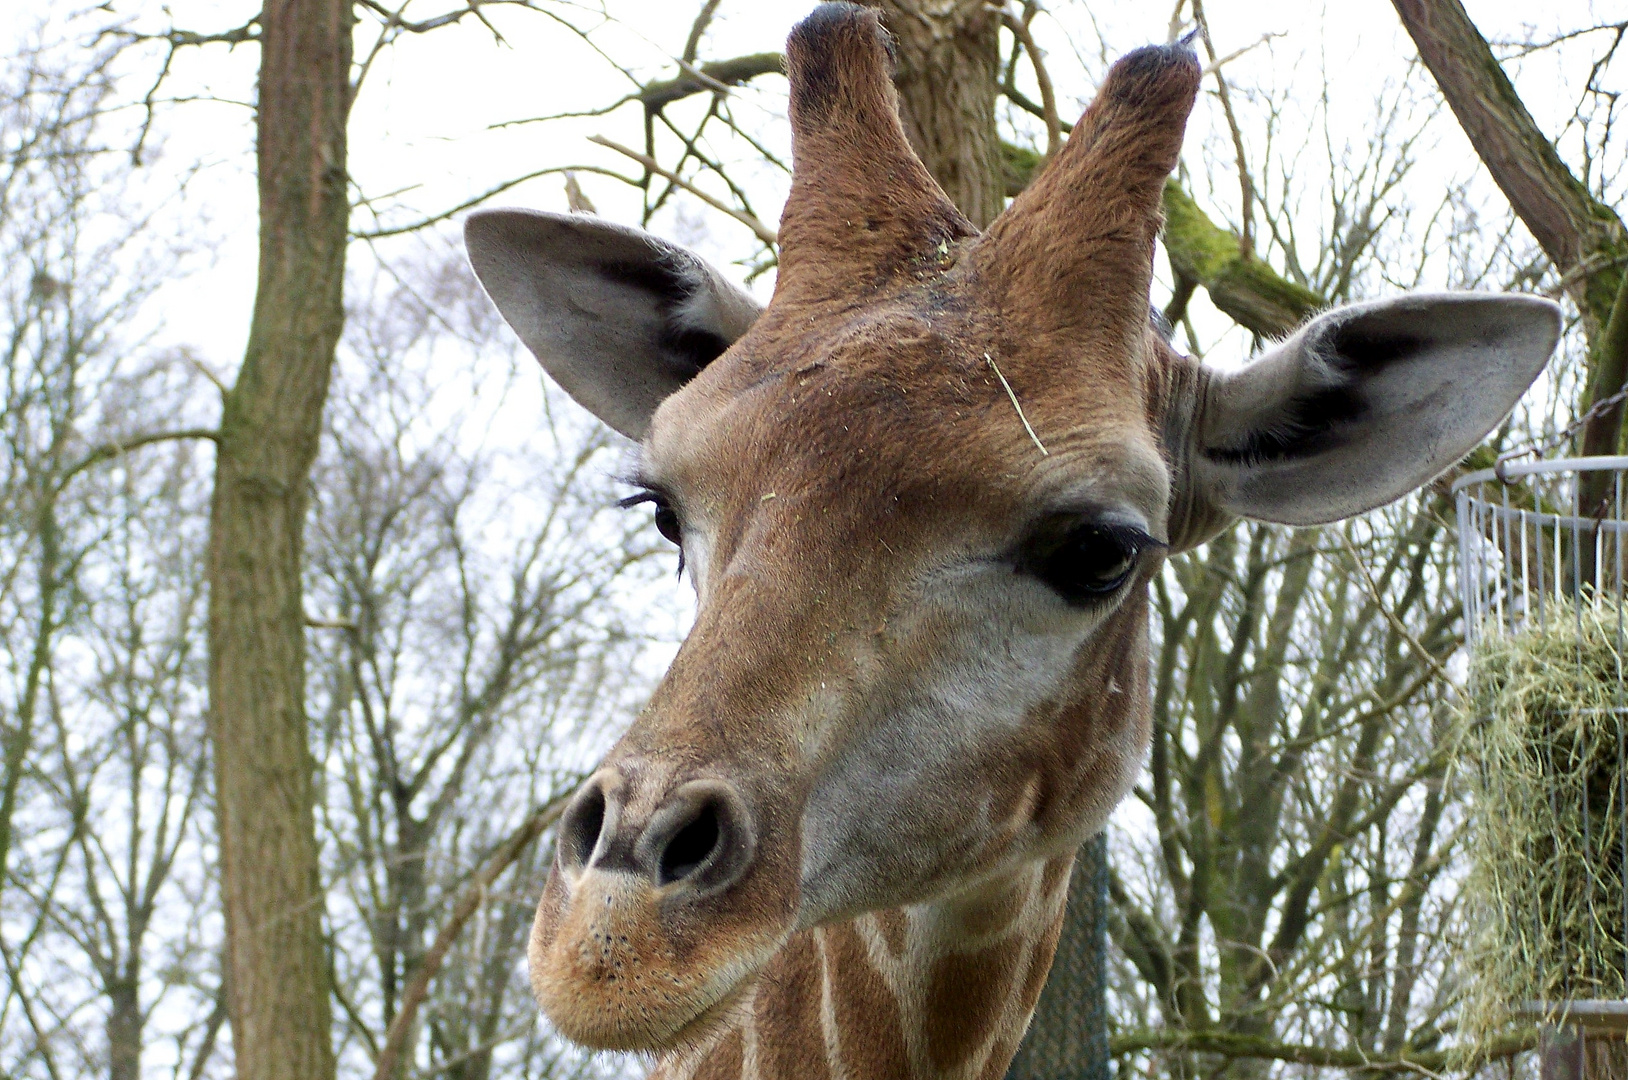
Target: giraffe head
(921, 495)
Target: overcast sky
(423, 136)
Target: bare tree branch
(1048, 99)
(1245, 288)
(1602, 432)
(179, 38)
(764, 233)
(708, 77)
(473, 898)
(123, 446)
(468, 204)
(1246, 184)
(702, 20)
(1567, 221)
(1234, 1045)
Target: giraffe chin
(613, 970)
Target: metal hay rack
(1543, 549)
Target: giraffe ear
(1365, 403)
(617, 316)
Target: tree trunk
(1602, 433)
(276, 961)
(1582, 236)
(124, 1024)
(948, 76)
(1241, 286)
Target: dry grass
(1543, 744)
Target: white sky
(422, 136)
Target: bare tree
(473, 628)
(271, 422)
(125, 776)
(112, 918)
(421, 624)
(278, 972)
(1292, 897)
(100, 598)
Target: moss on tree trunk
(1242, 286)
(1205, 254)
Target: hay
(1543, 746)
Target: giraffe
(920, 496)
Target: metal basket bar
(1531, 468)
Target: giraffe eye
(667, 522)
(1083, 562)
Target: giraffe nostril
(691, 846)
(701, 838)
(581, 825)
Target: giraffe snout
(658, 910)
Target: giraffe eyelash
(666, 517)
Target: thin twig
(703, 19)
(177, 37)
(212, 1026)
(690, 150)
(378, 234)
(1043, 451)
(329, 624)
(207, 372)
(764, 233)
(1177, 23)
(703, 78)
(122, 446)
(1231, 1045)
(1215, 65)
(1048, 99)
(468, 904)
(578, 114)
(575, 198)
(394, 19)
(1246, 184)
(1391, 617)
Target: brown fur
(786, 1015)
(963, 997)
(855, 439)
(865, 1011)
(892, 923)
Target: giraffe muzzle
(656, 910)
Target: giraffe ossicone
(836, 842)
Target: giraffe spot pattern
(966, 995)
(893, 923)
(790, 1040)
(870, 1028)
(725, 1062)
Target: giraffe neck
(939, 991)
